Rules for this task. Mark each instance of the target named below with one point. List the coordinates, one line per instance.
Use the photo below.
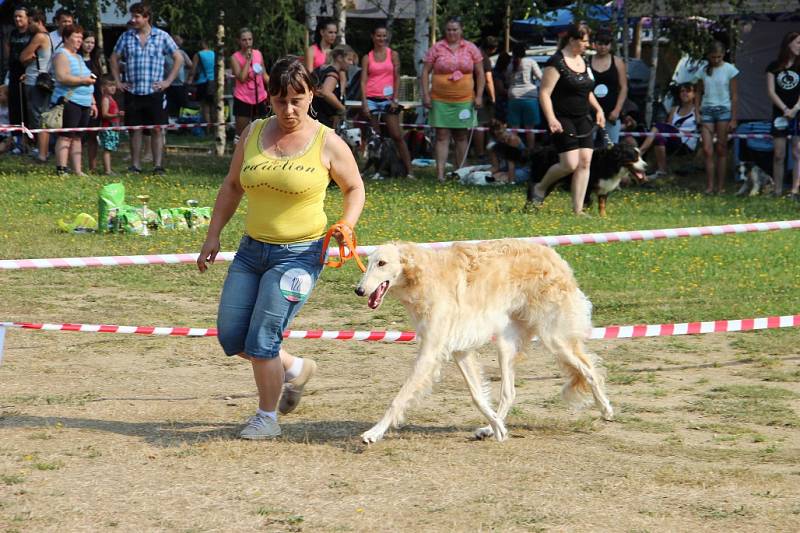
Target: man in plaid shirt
(143, 48)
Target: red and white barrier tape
(684, 135)
(112, 128)
(608, 332)
(29, 132)
(557, 240)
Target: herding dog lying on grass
(462, 297)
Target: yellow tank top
(286, 195)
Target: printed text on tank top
(282, 160)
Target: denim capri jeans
(266, 286)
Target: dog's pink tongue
(376, 297)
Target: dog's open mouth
(376, 297)
(636, 172)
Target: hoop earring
(312, 111)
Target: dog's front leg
(601, 204)
(418, 383)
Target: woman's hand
(208, 253)
(732, 125)
(88, 80)
(340, 238)
(554, 126)
(478, 101)
(365, 110)
(426, 102)
(600, 119)
(93, 111)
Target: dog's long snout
(360, 291)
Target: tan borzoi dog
(462, 297)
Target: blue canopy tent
(552, 23)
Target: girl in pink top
(250, 75)
(324, 41)
(380, 83)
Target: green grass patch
(635, 423)
(663, 281)
(756, 404)
(12, 479)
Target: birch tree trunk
(651, 83)
(98, 31)
(220, 80)
(311, 20)
(637, 39)
(422, 29)
(340, 17)
(626, 41)
(507, 29)
(390, 17)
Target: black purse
(44, 81)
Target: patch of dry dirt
(109, 432)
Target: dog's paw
(484, 432)
(372, 436)
(500, 432)
(606, 411)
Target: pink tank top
(251, 91)
(319, 56)
(380, 76)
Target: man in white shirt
(63, 19)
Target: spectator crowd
(580, 99)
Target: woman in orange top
(284, 165)
(456, 91)
(380, 84)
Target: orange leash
(347, 248)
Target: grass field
(109, 432)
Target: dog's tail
(581, 368)
(564, 336)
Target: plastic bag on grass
(165, 219)
(179, 218)
(112, 196)
(83, 223)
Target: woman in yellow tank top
(284, 165)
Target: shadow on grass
(343, 434)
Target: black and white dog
(382, 156)
(352, 136)
(754, 180)
(609, 166)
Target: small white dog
(462, 297)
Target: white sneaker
(260, 428)
(293, 389)
(658, 174)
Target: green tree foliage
(277, 25)
(482, 18)
(85, 10)
(689, 28)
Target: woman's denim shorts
(266, 286)
(715, 113)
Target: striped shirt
(144, 65)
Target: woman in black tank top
(610, 82)
(566, 99)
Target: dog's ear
(410, 264)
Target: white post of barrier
(2, 341)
